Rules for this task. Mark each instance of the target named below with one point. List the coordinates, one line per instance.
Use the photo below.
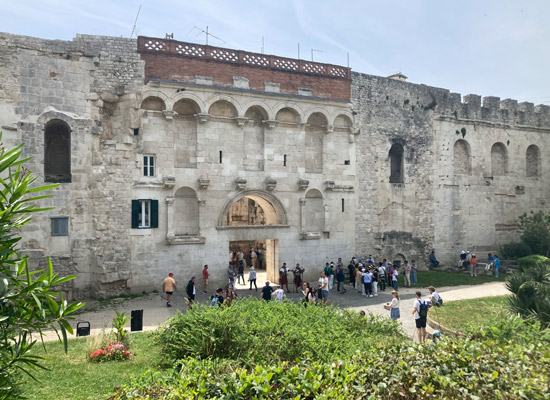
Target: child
(394, 306)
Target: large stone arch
(317, 110)
(221, 97)
(258, 103)
(292, 106)
(187, 106)
(272, 206)
(157, 93)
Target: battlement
(181, 61)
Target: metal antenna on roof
(209, 34)
(318, 51)
(135, 22)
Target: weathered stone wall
(448, 201)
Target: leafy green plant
(513, 251)
(28, 300)
(526, 263)
(535, 229)
(254, 332)
(118, 324)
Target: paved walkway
(155, 311)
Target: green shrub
(513, 251)
(255, 332)
(490, 365)
(530, 261)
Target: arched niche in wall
(288, 115)
(315, 131)
(343, 123)
(314, 211)
(153, 103)
(499, 159)
(57, 151)
(186, 212)
(253, 137)
(222, 109)
(397, 173)
(533, 162)
(185, 140)
(462, 160)
(186, 107)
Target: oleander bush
(505, 359)
(255, 332)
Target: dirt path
(155, 311)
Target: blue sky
(486, 47)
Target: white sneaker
(376, 294)
(371, 295)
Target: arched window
(499, 159)
(462, 163)
(396, 163)
(253, 136)
(57, 151)
(532, 161)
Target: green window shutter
(154, 213)
(135, 214)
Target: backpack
(423, 308)
(215, 300)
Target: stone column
(302, 215)
(170, 217)
(202, 204)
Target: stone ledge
(310, 236)
(227, 228)
(185, 240)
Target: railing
(168, 46)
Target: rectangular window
(60, 226)
(343, 205)
(145, 214)
(148, 165)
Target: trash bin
(83, 328)
(136, 323)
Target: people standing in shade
(252, 278)
(394, 276)
(329, 272)
(393, 306)
(351, 270)
(367, 282)
(497, 265)
(433, 259)
(375, 279)
(169, 287)
(254, 258)
(205, 276)
(283, 276)
(279, 294)
(191, 290)
(414, 271)
(260, 258)
(340, 278)
(323, 288)
(266, 292)
(420, 319)
(407, 273)
(240, 274)
(389, 274)
(473, 265)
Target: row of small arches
(227, 109)
(462, 161)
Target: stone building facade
(168, 154)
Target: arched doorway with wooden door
(254, 220)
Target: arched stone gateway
(253, 221)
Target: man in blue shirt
(497, 265)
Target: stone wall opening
(532, 161)
(223, 109)
(153, 103)
(186, 208)
(186, 107)
(499, 160)
(314, 211)
(315, 131)
(462, 162)
(57, 151)
(253, 146)
(396, 164)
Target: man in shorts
(419, 320)
(205, 276)
(323, 288)
(168, 287)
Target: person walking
(169, 287)
(420, 312)
(191, 290)
(309, 294)
(323, 288)
(279, 294)
(298, 273)
(252, 278)
(393, 306)
(230, 295)
(205, 276)
(266, 292)
(414, 271)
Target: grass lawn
(444, 278)
(71, 376)
(456, 314)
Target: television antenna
(209, 34)
(314, 50)
(135, 22)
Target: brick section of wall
(169, 63)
